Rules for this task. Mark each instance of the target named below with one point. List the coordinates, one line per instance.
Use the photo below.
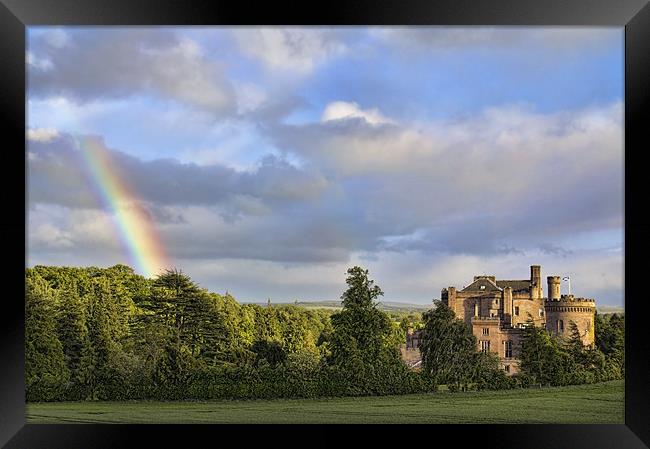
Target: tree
(448, 346)
(73, 335)
(361, 292)
(101, 322)
(45, 371)
(191, 320)
(271, 351)
(546, 360)
(361, 333)
(610, 337)
(587, 363)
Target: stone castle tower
(498, 310)
(561, 310)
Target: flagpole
(568, 279)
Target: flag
(566, 278)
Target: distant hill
(394, 306)
(389, 306)
(610, 309)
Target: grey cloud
(59, 174)
(368, 189)
(273, 110)
(427, 38)
(506, 249)
(554, 250)
(278, 212)
(121, 63)
(489, 184)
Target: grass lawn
(597, 403)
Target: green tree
(271, 351)
(46, 373)
(361, 333)
(545, 360)
(610, 340)
(587, 363)
(102, 320)
(192, 325)
(73, 335)
(448, 347)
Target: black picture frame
(634, 15)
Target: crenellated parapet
(570, 299)
(569, 303)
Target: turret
(553, 288)
(560, 312)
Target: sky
(265, 161)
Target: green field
(597, 403)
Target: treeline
(555, 361)
(111, 334)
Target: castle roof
(515, 285)
(486, 283)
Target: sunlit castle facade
(498, 310)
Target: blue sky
(426, 154)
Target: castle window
(541, 312)
(517, 310)
(485, 345)
(560, 326)
(482, 287)
(486, 331)
(508, 348)
(507, 368)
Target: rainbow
(137, 232)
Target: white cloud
(508, 142)
(42, 134)
(51, 236)
(290, 49)
(341, 110)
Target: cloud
(341, 110)
(249, 97)
(474, 185)
(79, 230)
(483, 185)
(56, 38)
(437, 38)
(48, 235)
(408, 277)
(42, 134)
(37, 63)
(295, 50)
(92, 64)
(59, 174)
(554, 250)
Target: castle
(498, 310)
